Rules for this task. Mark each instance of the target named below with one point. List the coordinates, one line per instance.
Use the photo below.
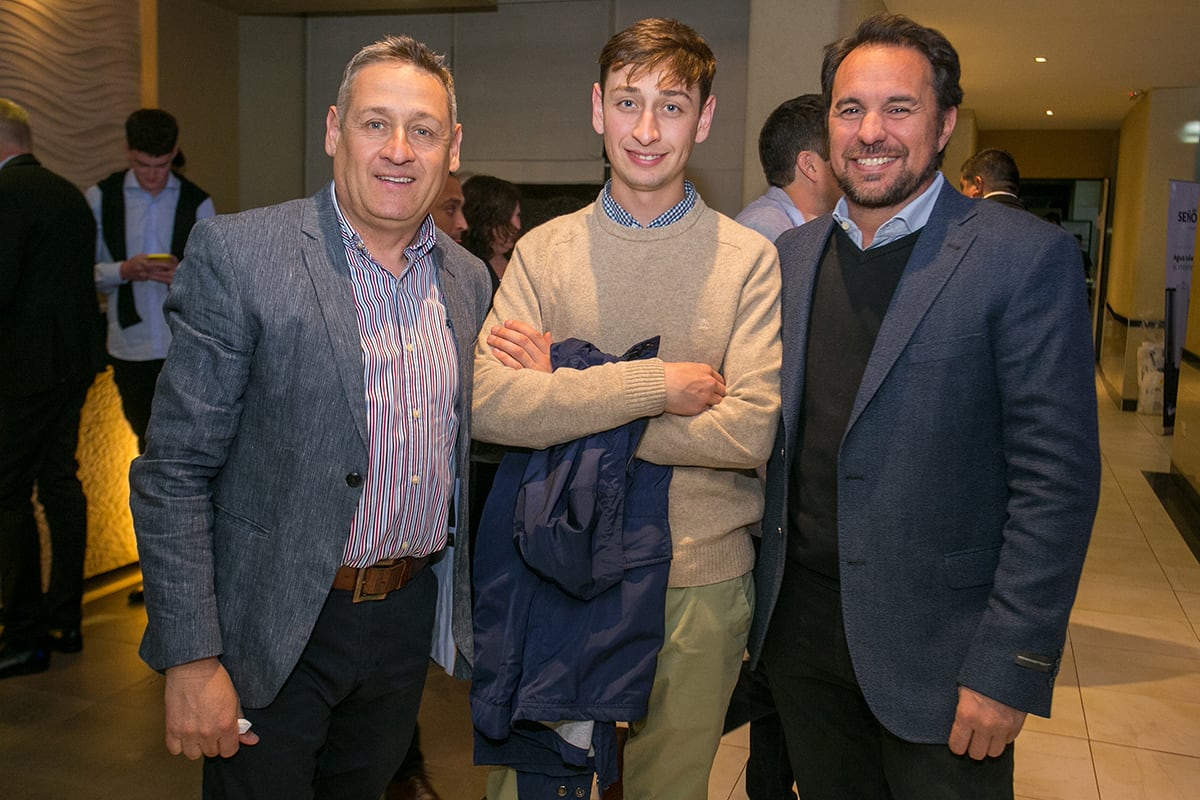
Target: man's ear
(805, 165)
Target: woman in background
(492, 207)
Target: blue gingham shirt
(410, 370)
(622, 217)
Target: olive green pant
(669, 754)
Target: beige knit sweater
(710, 289)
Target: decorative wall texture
(75, 66)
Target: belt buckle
(360, 595)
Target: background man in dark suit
(992, 174)
(310, 427)
(933, 485)
(48, 333)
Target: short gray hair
(399, 50)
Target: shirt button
(416, 479)
(354, 480)
(409, 346)
(416, 412)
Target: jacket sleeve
(1044, 373)
(526, 408)
(197, 407)
(737, 433)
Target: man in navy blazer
(308, 438)
(934, 482)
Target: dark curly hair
(488, 205)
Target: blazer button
(354, 480)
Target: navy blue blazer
(968, 474)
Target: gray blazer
(241, 503)
(968, 471)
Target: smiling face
(650, 125)
(885, 130)
(392, 152)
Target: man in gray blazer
(933, 485)
(308, 441)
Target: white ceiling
(1098, 52)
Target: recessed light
(1049, 112)
(1040, 59)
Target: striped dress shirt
(410, 370)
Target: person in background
(992, 174)
(493, 211)
(932, 489)
(447, 210)
(794, 152)
(49, 352)
(144, 215)
(311, 425)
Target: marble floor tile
(1118, 597)
(1127, 773)
(1135, 720)
(1052, 767)
(1150, 674)
(1127, 632)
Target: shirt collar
(909, 219)
(131, 182)
(622, 217)
(789, 207)
(419, 247)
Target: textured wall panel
(75, 66)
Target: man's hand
(202, 711)
(144, 268)
(692, 388)
(519, 345)
(983, 726)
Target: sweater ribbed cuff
(644, 387)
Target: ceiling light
(1190, 132)
(1040, 59)
(1049, 112)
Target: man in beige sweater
(650, 258)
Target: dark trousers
(38, 438)
(135, 383)
(768, 769)
(342, 722)
(837, 747)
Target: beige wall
(1078, 154)
(198, 83)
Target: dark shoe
(65, 640)
(23, 660)
(417, 787)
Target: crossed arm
(691, 387)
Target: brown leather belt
(376, 581)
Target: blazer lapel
(944, 241)
(799, 276)
(325, 258)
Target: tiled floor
(1126, 711)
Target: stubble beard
(902, 189)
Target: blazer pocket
(943, 349)
(226, 520)
(969, 568)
